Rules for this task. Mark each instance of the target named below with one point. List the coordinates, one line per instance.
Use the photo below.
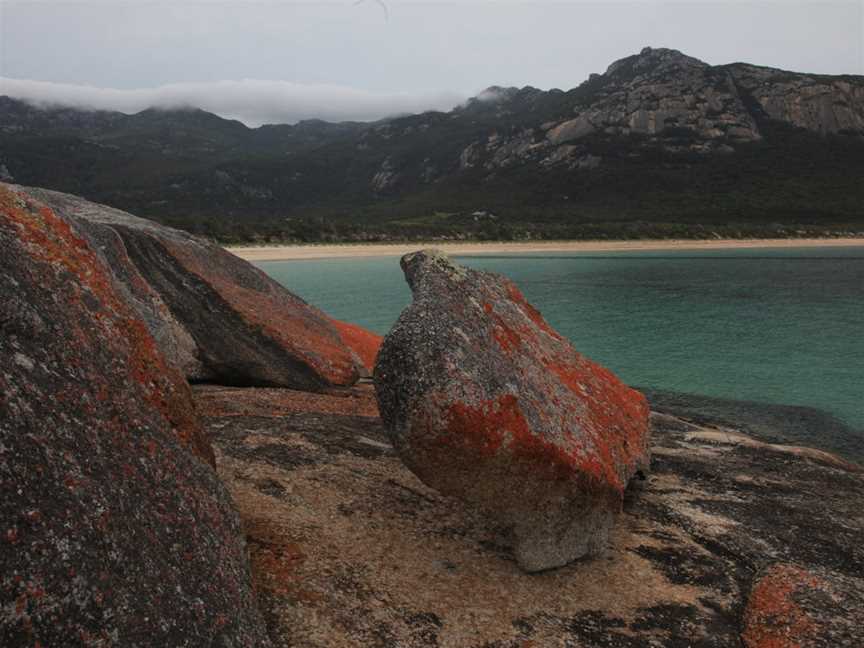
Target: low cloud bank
(252, 101)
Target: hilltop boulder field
(190, 455)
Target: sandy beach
(298, 252)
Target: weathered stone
(173, 339)
(229, 322)
(112, 532)
(819, 103)
(362, 342)
(662, 90)
(662, 96)
(349, 548)
(485, 401)
(570, 130)
(386, 177)
(659, 94)
(792, 607)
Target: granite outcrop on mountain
(216, 317)
(662, 95)
(115, 528)
(816, 102)
(660, 144)
(484, 401)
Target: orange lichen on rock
(619, 424)
(508, 339)
(171, 396)
(533, 314)
(118, 524)
(480, 432)
(285, 318)
(362, 341)
(484, 400)
(256, 332)
(483, 430)
(50, 239)
(773, 619)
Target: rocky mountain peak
(499, 95)
(651, 59)
(493, 95)
(654, 115)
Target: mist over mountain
(661, 144)
(252, 101)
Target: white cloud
(252, 101)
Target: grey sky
(341, 60)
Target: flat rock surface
(112, 531)
(229, 322)
(793, 607)
(349, 548)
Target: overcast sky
(274, 61)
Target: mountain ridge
(659, 144)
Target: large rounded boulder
(114, 528)
(215, 316)
(486, 402)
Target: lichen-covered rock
(112, 533)
(793, 607)
(226, 321)
(170, 335)
(363, 343)
(350, 549)
(485, 401)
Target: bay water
(769, 338)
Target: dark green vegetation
(676, 148)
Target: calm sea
(736, 333)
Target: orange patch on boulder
(773, 619)
(50, 239)
(361, 341)
(485, 401)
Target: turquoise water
(771, 326)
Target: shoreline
(360, 250)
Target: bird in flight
(381, 4)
